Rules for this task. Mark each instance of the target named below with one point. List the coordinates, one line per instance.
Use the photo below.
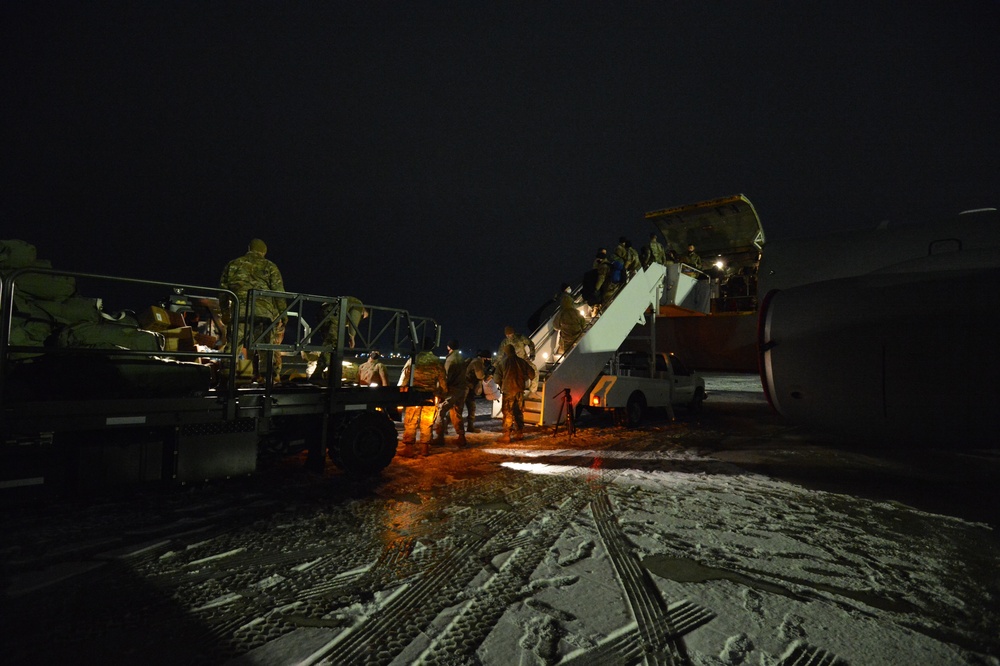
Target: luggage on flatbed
(82, 377)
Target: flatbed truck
(98, 414)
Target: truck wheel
(694, 406)
(364, 444)
(635, 410)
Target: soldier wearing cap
(254, 271)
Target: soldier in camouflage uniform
(476, 370)
(356, 311)
(631, 257)
(513, 374)
(600, 270)
(451, 407)
(524, 347)
(653, 252)
(611, 287)
(428, 375)
(569, 322)
(253, 271)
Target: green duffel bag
(16, 254)
(26, 332)
(73, 310)
(46, 287)
(105, 334)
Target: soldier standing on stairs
(569, 322)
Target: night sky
(462, 159)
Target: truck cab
(634, 382)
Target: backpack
(617, 271)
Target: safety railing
(20, 306)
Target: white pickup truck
(631, 384)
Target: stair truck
(92, 396)
(607, 369)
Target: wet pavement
(426, 561)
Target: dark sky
(461, 159)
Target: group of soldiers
(254, 271)
(609, 273)
(456, 383)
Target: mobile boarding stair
(580, 367)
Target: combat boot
(461, 443)
(471, 427)
(407, 451)
(504, 438)
(425, 448)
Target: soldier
(428, 375)
(692, 258)
(594, 280)
(653, 252)
(356, 311)
(513, 374)
(616, 274)
(451, 406)
(476, 370)
(524, 347)
(253, 271)
(372, 371)
(630, 258)
(569, 322)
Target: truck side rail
(310, 316)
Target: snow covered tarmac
(729, 539)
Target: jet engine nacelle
(907, 354)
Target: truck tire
(694, 406)
(364, 443)
(635, 410)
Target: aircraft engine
(907, 354)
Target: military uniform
(656, 252)
(331, 333)
(451, 406)
(610, 287)
(569, 322)
(524, 347)
(594, 292)
(692, 258)
(475, 373)
(253, 271)
(428, 375)
(513, 374)
(632, 263)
